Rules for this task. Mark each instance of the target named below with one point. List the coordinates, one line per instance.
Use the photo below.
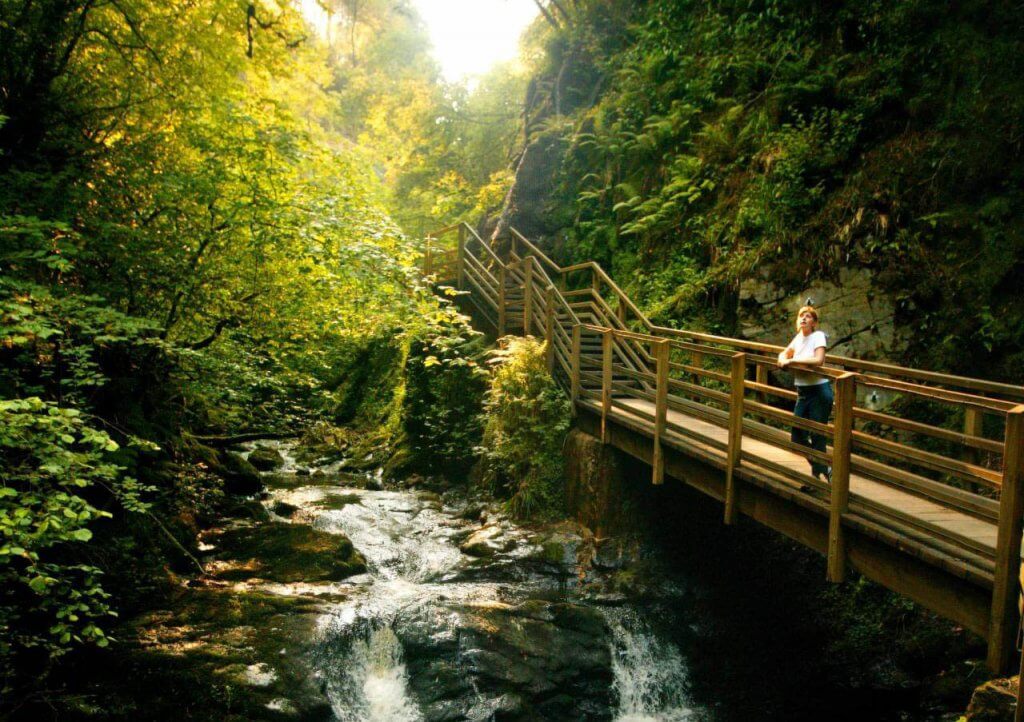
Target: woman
(814, 392)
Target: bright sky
(469, 36)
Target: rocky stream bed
(337, 599)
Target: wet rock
(949, 689)
(283, 508)
(994, 701)
(538, 660)
(550, 656)
(473, 512)
(240, 477)
(563, 545)
(482, 543)
(335, 502)
(249, 509)
(285, 553)
(614, 553)
(266, 459)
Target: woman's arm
(785, 355)
(818, 360)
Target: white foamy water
(400, 538)
(650, 680)
(373, 686)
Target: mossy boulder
(283, 508)
(285, 553)
(240, 477)
(266, 459)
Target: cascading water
(650, 680)
(372, 683)
(497, 635)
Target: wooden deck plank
(932, 512)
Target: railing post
(761, 377)
(549, 326)
(501, 301)
(738, 377)
(574, 382)
(527, 295)
(620, 313)
(427, 260)
(697, 360)
(460, 259)
(1003, 623)
(659, 350)
(606, 381)
(842, 432)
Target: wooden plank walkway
(980, 533)
(929, 511)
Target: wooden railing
(951, 440)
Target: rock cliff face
(857, 317)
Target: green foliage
(527, 418)
(444, 387)
(787, 140)
(187, 243)
(53, 463)
(442, 148)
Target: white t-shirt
(803, 349)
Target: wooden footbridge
(926, 494)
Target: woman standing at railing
(814, 392)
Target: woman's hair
(806, 309)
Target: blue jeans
(814, 403)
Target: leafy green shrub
(444, 388)
(53, 464)
(527, 418)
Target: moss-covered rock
(240, 477)
(266, 459)
(336, 502)
(282, 552)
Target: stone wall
(594, 479)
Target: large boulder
(285, 553)
(240, 477)
(994, 701)
(538, 660)
(266, 459)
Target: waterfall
(650, 681)
(371, 683)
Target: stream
(332, 598)
(508, 630)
